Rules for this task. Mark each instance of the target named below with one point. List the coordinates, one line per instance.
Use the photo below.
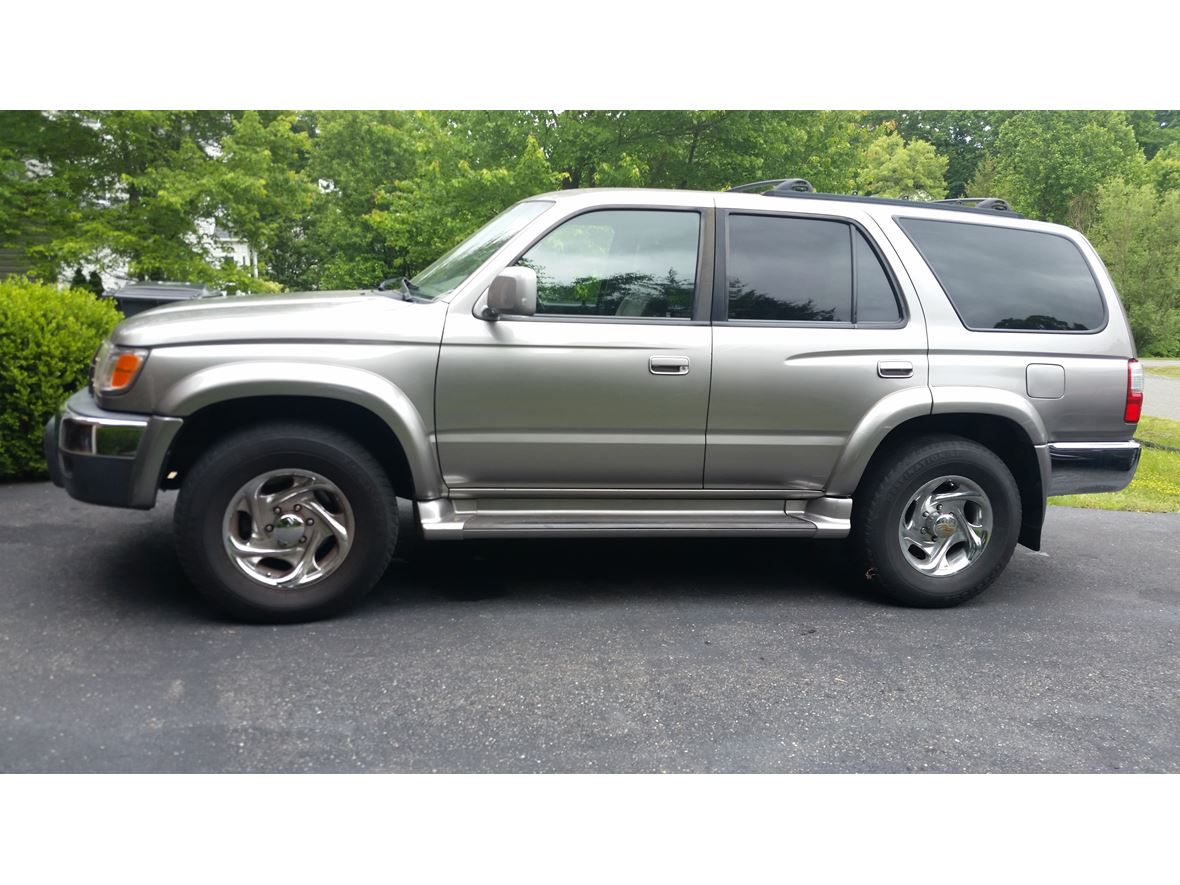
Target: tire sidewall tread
(875, 522)
(221, 471)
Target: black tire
(885, 495)
(233, 461)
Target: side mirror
(513, 292)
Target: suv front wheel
(937, 521)
(285, 522)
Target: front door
(607, 386)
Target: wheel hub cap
(288, 528)
(942, 526)
(945, 525)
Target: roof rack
(779, 185)
(980, 203)
(801, 188)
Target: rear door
(811, 331)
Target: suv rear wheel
(937, 521)
(285, 522)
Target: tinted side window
(627, 262)
(876, 301)
(789, 269)
(1000, 278)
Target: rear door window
(789, 269)
(1004, 278)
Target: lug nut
(311, 522)
(278, 510)
(298, 507)
(303, 540)
(270, 528)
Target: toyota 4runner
(770, 361)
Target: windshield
(458, 264)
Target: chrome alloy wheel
(288, 528)
(945, 526)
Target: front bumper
(110, 458)
(1082, 468)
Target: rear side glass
(875, 298)
(1002, 278)
(788, 269)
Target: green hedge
(47, 339)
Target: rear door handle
(895, 369)
(668, 365)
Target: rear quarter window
(1009, 279)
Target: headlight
(116, 368)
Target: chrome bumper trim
(108, 437)
(1083, 468)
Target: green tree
(104, 186)
(1163, 170)
(1049, 164)
(983, 182)
(354, 154)
(450, 198)
(911, 171)
(1155, 130)
(1137, 233)
(261, 192)
(963, 137)
(691, 149)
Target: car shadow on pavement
(142, 573)
(601, 569)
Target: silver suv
(770, 361)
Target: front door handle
(895, 369)
(668, 365)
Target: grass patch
(1163, 371)
(1156, 487)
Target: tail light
(1134, 392)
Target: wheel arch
(383, 420)
(1003, 435)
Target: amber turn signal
(116, 368)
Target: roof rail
(781, 185)
(980, 203)
(801, 187)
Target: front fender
(237, 380)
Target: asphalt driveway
(588, 656)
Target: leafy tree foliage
(451, 198)
(1155, 130)
(342, 199)
(963, 137)
(1049, 164)
(1163, 170)
(708, 150)
(983, 182)
(1138, 235)
(911, 171)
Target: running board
(820, 517)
